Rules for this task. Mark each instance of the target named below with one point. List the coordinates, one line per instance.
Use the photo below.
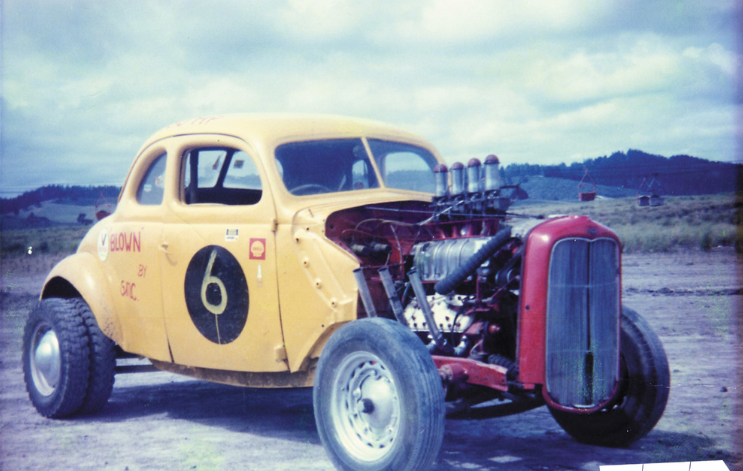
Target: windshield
(336, 165)
(314, 167)
(404, 166)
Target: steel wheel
(46, 364)
(379, 404)
(365, 407)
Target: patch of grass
(683, 222)
(55, 240)
(24, 265)
(35, 251)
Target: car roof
(272, 129)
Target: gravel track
(159, 421)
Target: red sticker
(257, 249)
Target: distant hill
(562, 189)
(62, 194)
(617, 175)
(677, 175)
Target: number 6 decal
(216, 294)
(209, 279)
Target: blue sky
(84, 83)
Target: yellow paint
(300, 284)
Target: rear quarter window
(150, 190)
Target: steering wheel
(309, 189)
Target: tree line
(84, 195)
(677, 175)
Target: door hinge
(279, 353)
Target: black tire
(641, 397)
(56, 358)
(378, 398)
(102, 362)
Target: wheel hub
(366, 407)
(46, 362)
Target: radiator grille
(583, 305)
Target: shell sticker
(257, 249)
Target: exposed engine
(452, 271)
(447, 268)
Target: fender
(81, 274)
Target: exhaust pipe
(389, 288)
(420, 294)
(366, 298)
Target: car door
(128, 249)
(219, 281)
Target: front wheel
(68, 363)
(378, 399)
(56, 358)
(642, 394)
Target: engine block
(446, 312)
(436, 259)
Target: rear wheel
(102, 361)
(641, 396)
(378, 398)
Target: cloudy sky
(85, 82)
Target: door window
(220, 176)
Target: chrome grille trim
(583, 310)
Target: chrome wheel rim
(45, 360)
(365, 406)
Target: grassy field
(683, 222)
(54, 240)
(35, 251)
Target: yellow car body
(241, 246)
(139, 268)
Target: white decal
(103, 245)
(231, 235)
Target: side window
(242, 173)
(150, 191)
(404, 166)
(220, 176)
(208, 164)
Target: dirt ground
(159, 421)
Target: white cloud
(532, 81)
(727, 61)
(323, 20)
(468, 21)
